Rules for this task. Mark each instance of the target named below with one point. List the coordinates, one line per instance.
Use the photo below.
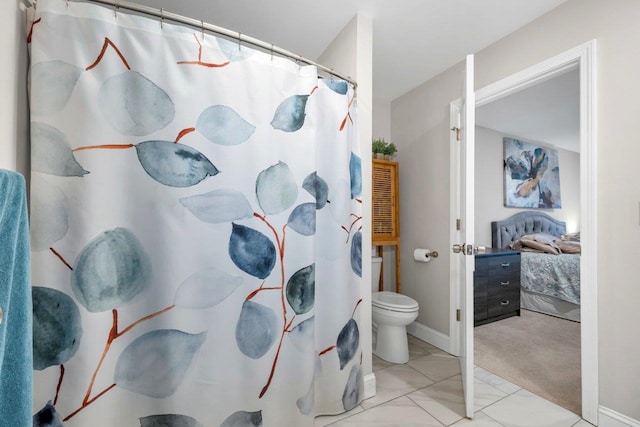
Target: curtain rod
(201, 25)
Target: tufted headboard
(511, 229)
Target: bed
(550, 282)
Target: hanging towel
(16, 348)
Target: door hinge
(457, 131)
(458, 315)
(458, 224)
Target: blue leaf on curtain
(173, 164)
(338, 86)
(134, 105)
(256, 330)
(51, 85)
(302, 335)
(169, 420)
(356, 253)
(306, 403)
(353, 390)
(233, 50)
(301, 289)
(355, 172)
(222, 125)
(155, 363)
(276, 189)
(303, 219)
(290, 114)
(49, 216)
(218, 206)
(110, 271)
(206, 289)
(57, 327)
(318, 188)
(243, 419)
(189, 246)
(348, 342)
(252, 251)
(51, 152)
(47, 417)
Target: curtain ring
(161, 18)
(272, 51)
(67, 4)
(239, 41)
(202, 28)
(115, 9)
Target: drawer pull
(504, 302)
(504, 283)
(506, 264)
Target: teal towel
(16, 347)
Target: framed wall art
(531, 175)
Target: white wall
(351, 53)
(419, 125)
(381, 119)
(489, 189)
(382, 129)
(14, 151)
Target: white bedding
(549, 305)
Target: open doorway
(584, 57)
(540, 349)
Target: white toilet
(391, 313)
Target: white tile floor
(427, 391)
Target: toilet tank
(376, 266)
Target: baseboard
(429, 335)
(369, 385)
(610, 418)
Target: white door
(464, 248)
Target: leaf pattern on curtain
(197, 266)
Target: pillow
(571, 237)
(540, 242)
(568, 247)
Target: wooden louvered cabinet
(385, 205)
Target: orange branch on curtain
(108, 43)
(134, 246)
(280, 243)
(200, 62)
(348, 116)
(353, 223)
(31, 29)
(113, 335)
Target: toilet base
(392, 344)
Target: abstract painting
(531, 175)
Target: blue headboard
(504, 232)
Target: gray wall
(382, 129)
(489, 185)
(420, 122)
(14, 152)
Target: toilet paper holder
(424, 255)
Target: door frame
(583, 56)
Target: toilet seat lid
(393, 301)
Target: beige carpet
(539, 353)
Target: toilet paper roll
(421, 255)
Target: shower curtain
(195, 228)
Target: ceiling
(413, 40)
(548, 112)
